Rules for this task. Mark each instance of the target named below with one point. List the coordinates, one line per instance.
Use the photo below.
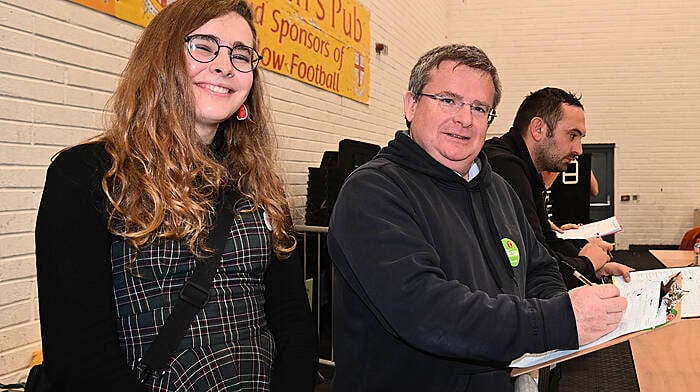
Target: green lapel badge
(512, 251)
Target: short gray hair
(471, 56)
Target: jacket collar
(407, 153)
(517, 145)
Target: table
(673, 258)
(669, 359)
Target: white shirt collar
(473, 171)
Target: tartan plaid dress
(228, 346)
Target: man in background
(545, 137)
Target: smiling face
(555, 152)
(452, 139)
(219, 89)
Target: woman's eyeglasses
(205, 48)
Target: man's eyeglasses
(480, 112)
(205, 48)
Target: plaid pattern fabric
(228, 345)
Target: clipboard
(672, 315)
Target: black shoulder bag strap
(193, 297)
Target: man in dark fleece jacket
(546, 135)
(441, 281)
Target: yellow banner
(139, 12)
(324, 43)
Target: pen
(576, 274)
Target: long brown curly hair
(164, 182)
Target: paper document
(643, 312)
(690, 302)
(596, 229)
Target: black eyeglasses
(452, 105)
(204, 49)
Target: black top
(510, 158)
(76, 295)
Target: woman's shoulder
(80, 161)
(82, 154)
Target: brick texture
(634, 62)
(60, 62)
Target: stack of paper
(595, 229)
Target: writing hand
(595, 254)
(606, 246)
(598, 310)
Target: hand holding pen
(609, 268)
(595, 254)
(612, 268)
(602, 244)
(598, 310)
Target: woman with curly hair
(124, 220)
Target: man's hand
(615, 269)
(569, 226)
(555, 227)
(596, 254)
(598, 310)
(565, 226)
(604, 245)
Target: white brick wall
(311, 121)
(59, 62)
(636, 64)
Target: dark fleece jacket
(440, 282)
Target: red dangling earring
(242, 113)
